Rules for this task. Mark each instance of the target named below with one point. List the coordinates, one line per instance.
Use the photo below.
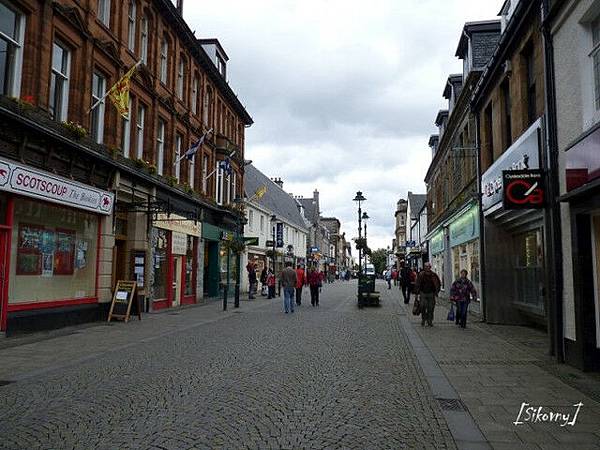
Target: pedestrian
(395, 276)
(348, 274)
(271, 284)
(300, 282)
(288, 282)
(322, 279)
(461, 292)
(405, 281)
(263, 282)
(252, 281)
(314, 282)
(388, 278)
(427, 288)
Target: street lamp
(239, 222)
(273, 222)
(359, 198)
(365, 217)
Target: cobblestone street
(326, 377)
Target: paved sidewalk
(495, 369)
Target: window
(262, 223)
(104, 12)
(221, 66)
(180, 78)
(160, 262)
(206, 106)
(59, 82)
(12, 35)
(596, 59)
(219, 184)
(251, 220)
(178, 140)
(507, 105)
(195, 96)
(160, 147)
(126, 143)
(204, 174)
(192, 171)
(97, 114)
(139, 125)
(131, 26)
(233, 187)
(164, 53)
(530, 79)
(145, 40)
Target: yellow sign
(178, 224)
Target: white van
(369, 269)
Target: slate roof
(417, 201)
(310, 209)
(275, 199)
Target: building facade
(400, 232)
(414, 209)
(159, 219)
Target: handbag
(451, 316)
(416, 307)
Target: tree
(379, 260)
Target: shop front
(220, 264)
(438, 255)
(50, 244)
(581, 251)
(464, 244)
(174, 242)
(514, 242)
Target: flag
(261, 191)
(119, 93)
(225, 166)
(189, 154)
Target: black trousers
(298, 296)
(406, 289)
(314, 295)
(271, 290)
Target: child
(271, 284)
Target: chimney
(316, 196)
(180, 7)
(278, 182)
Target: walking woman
(461, 292)
(314, 281)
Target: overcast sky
(343, 93)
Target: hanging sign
(523, 189)
(279, 235)
(30, 182)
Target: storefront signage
(269, 243)
(35, 183)
(522, 155)
(179, 224)
(465, 228)
(436, 244)
(523, 189)
(314, 249)
(178, 243)
(123, 298)
(251, 240)
(279, 235)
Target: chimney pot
(180, 7)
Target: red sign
(523, 189)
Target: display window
(53, 254)
(160, 264)
(529, 268)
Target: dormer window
(221, 67)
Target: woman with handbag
(461, 292)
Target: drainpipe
(553, 219)
(482, 272)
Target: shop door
(176, 281)
(4, 254)
(596, 315)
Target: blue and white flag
(225, 166)
(189, 154)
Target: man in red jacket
(300, 282)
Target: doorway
(176, 281)
(4, 258)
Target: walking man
(252, 280)
(288, 282)
(427, 288)
(314, 281)
(405, 283)
(300, 282)
(388, 278)
(461, 292)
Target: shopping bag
(416, 307)
(451, 316)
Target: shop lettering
(41, 185)
(493, 187)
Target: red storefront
(50, 231)
(174, 275)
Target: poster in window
(81, 255)
(65, 252)
(47, 242)
(29, 258)
(47, 264)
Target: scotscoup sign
(522, 155)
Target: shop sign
(436, 244)
(522, 155)
(279, 235)
(178, 243)
(314, 249)
(251, 240)
(269, 243)
(465, 228)
(179, 224)
(35, 183)
(523, 189)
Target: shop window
(59, 82)
(131, 21)
(474, 263)
(97, 114)
(160, 263)
(189, 267)
(529, 269)
(53, 253)
(12, 35)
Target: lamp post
(359, 198)
(226, 285)
(273, 222)
(239, 222)
(365, 217)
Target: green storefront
(464, 243)
(220, 266)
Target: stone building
(414, 207)
(133, 212)
(400, 231)
(318, 250)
